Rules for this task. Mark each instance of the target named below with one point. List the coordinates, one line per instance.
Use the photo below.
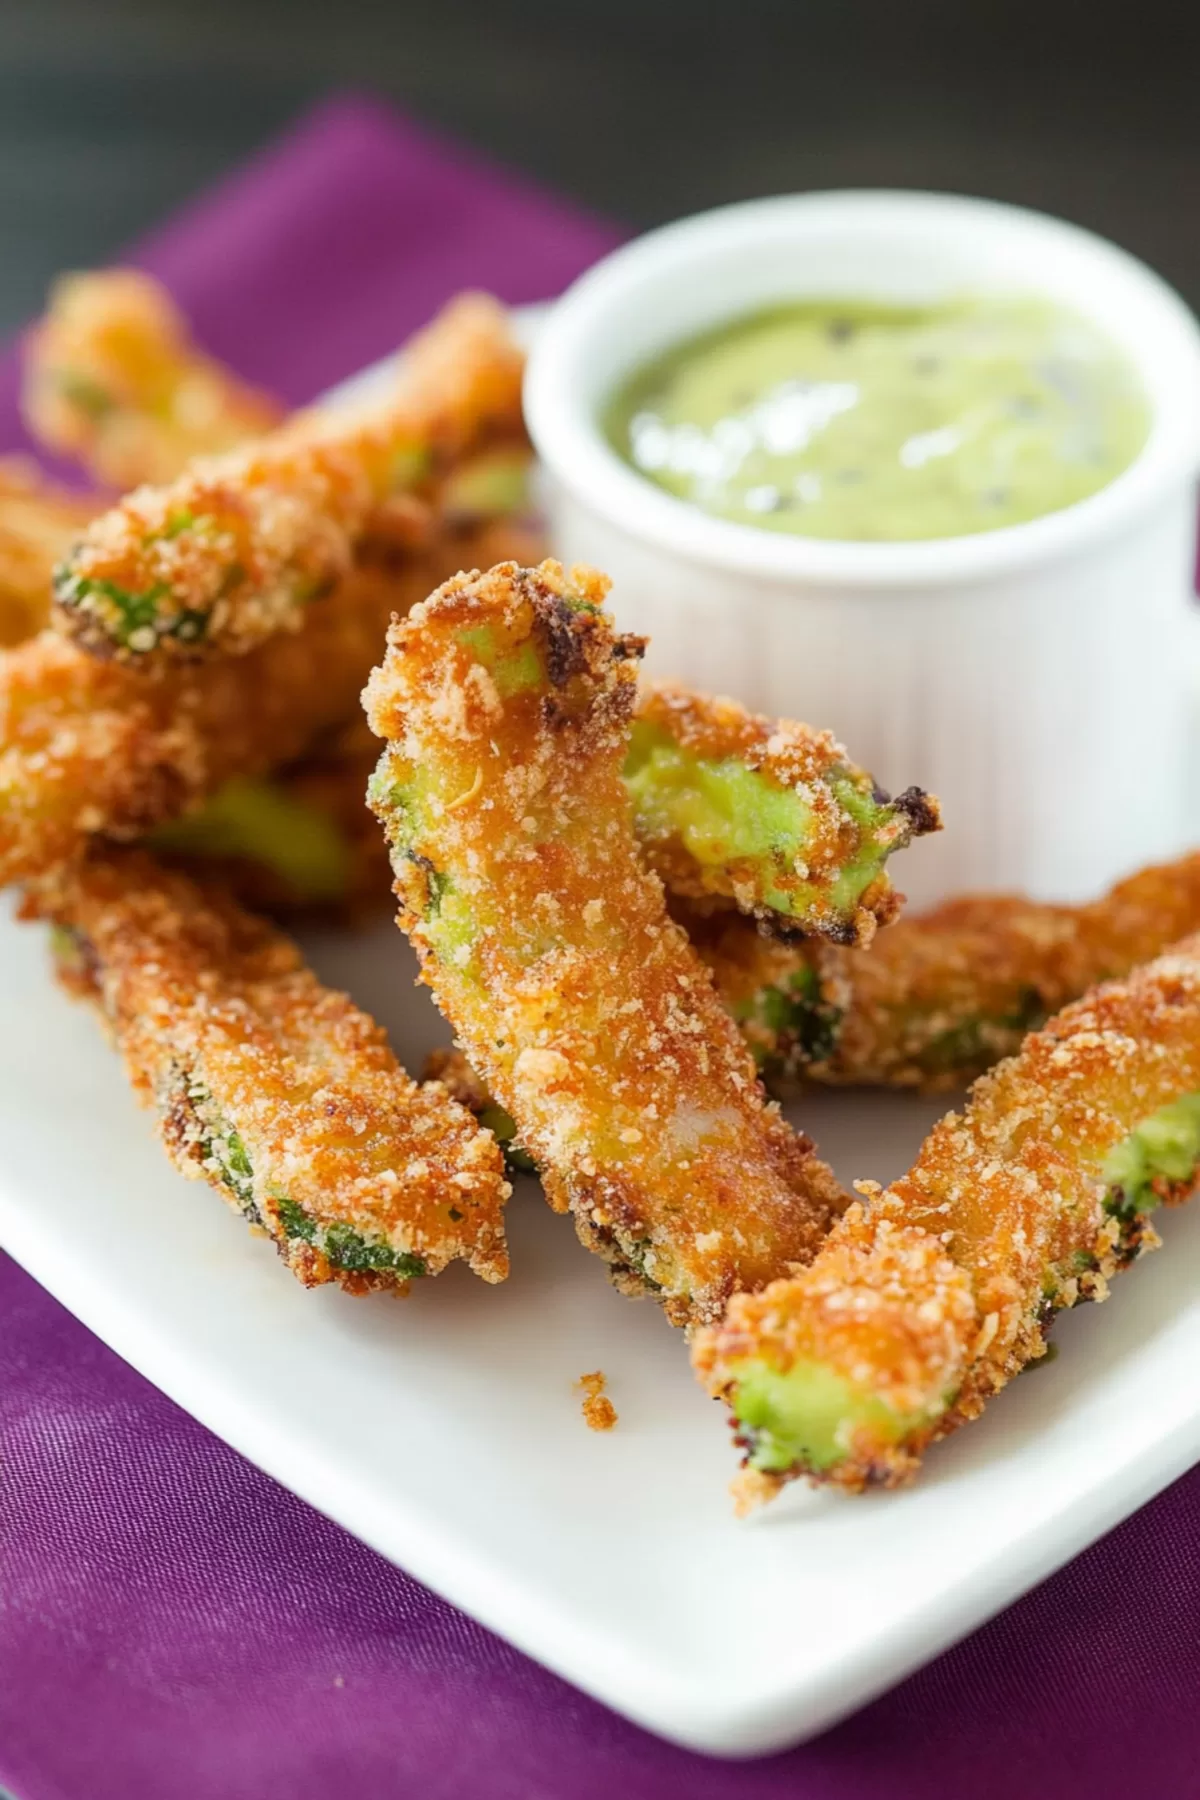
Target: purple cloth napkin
(172, 1624)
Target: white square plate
(446, 1432)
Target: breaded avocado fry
(506, 701)
(767, 813)
(112, 378)
(89, 748)
(940, 997)
(927, 1299)
(241, 546)
(278, 1092)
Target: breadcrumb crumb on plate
(599, 1413)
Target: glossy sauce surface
(856, 420)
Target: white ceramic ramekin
(1036, 677)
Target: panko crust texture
(244, 545)
(38, 524)
(92, 748)
(231, 1039)
(548, 947)
(943, 1286)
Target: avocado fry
(505, 701)
(90, 748)
(929, 1297)
(278, 1092)
(241, 546)
(940, 997)
(112, 378)
(767, 814)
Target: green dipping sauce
(870, 422)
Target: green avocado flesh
(866, 421)
(262, 823)
(346, 1248)
(723, 812)
(222, 1151)
(86, 394)
(807, 1416)
(489, 486)
(229, 1152)
(1165, 1147)
(133, 618)
(514, 671)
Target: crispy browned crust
(579, 1001)
(943, 1286)
(112, 378)
(941, 997)
(798, 759)
(242, 546)
(38, 524)
(89, 747)
(223, 1028)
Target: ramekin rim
(568, 439)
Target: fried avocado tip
(766, 815)
(858, 1413)
(794, 1361)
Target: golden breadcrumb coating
(927, 1299)
(940, 997)
(112, 378)
(90, 747)
(769, 814)
(277, 1091)
(506, 701)
(38, 525)
(243, 546)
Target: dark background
(112, 111)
